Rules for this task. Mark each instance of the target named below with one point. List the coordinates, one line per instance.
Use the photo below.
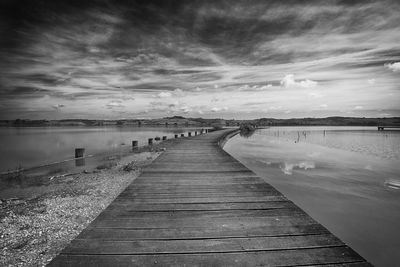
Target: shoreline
(36, 226)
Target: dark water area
(25, 147)
(347, 178)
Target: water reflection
(80, 162)
(345, 178)
(392, 184)
(287, 167)
(246, 133)
(246, 130)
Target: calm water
(27, 147)
(347, 178)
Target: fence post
(79, 160)
(134, 144)
(79, 152)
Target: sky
(214, 59)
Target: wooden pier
(196, 205)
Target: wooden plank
(185, 165)
(279, 228)
(197, 160)
(133, 206)
(201, 169)
(313, 256)
(202, 187)
(201, 199)
(214, 221)
(197, 194)
(195, 180)
(199, 175)
(200, 214)
(217, 223)
(163, 189)
(348, 264)
(141, 247)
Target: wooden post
(150, 141)
(134, 144)
(164, 138)
(79, 152)
(189, 134)
(176, 136)
(182, 135)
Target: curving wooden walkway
(196, 205)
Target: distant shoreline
(178, 121)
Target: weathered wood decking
(196, 205)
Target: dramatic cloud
(393, 66)
(107, 59)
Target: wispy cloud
(217, 109)
(289, 81)
(58, 107)
(164, 94)
(115, 104)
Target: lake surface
(347, 178)
(27, 146)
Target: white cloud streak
(289, 81)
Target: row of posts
(189, 134)
(80, 152)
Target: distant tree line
(176, 121)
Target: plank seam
(207, 238)
(209, 252)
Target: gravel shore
(35, 229)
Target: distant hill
(179, 121)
